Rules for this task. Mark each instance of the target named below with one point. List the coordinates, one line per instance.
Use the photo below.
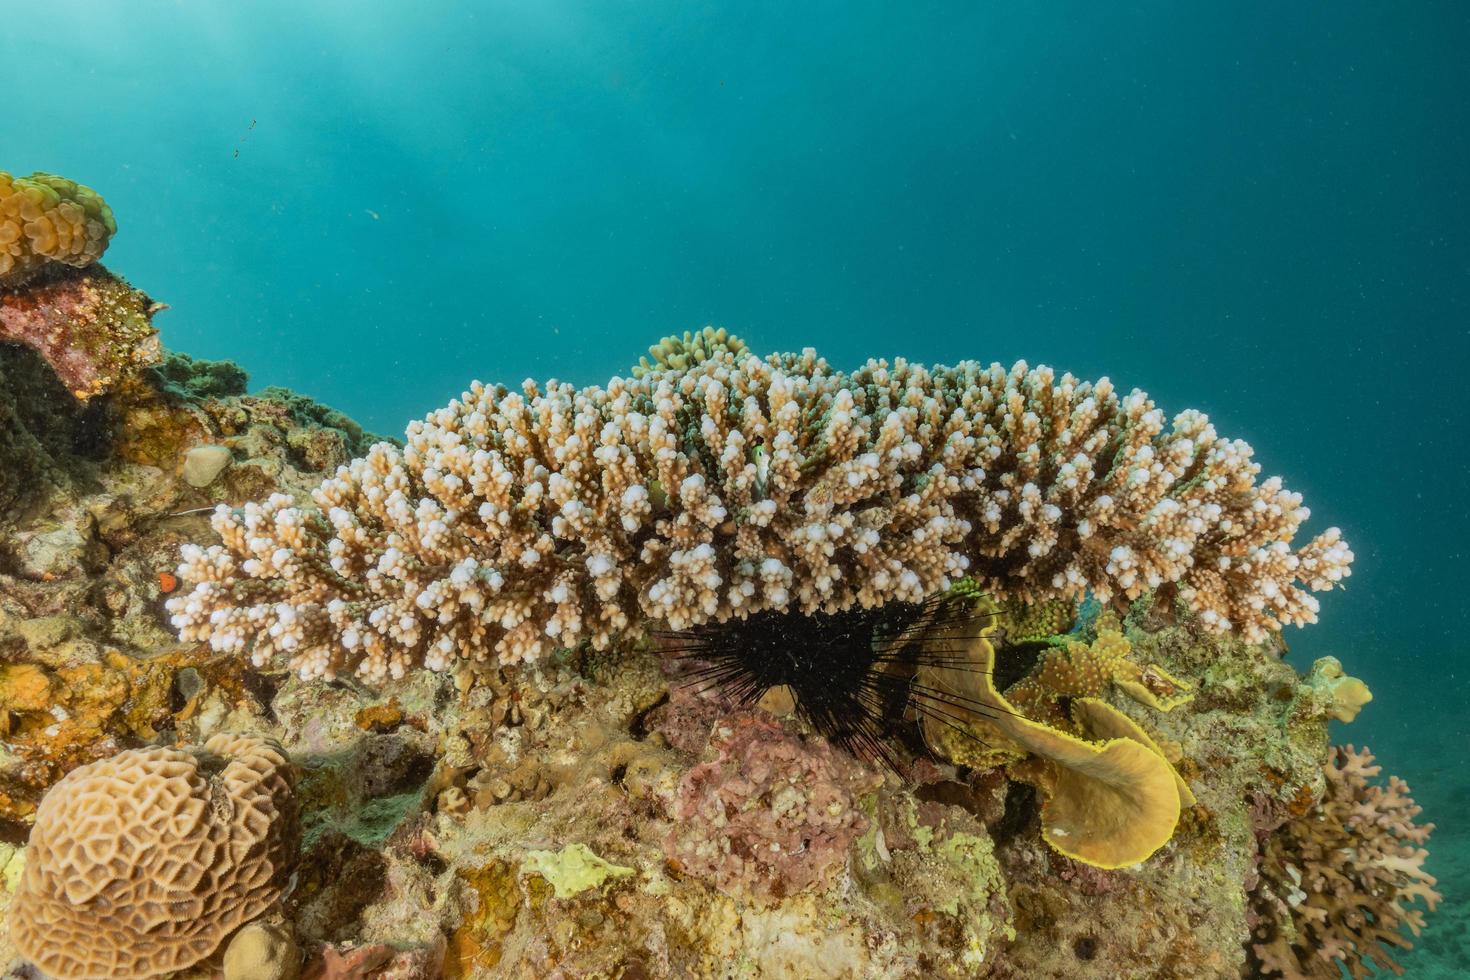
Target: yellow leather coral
(1110, 798)
(1086, 670)
(45, 218)
(142, 864)
(1344, 695)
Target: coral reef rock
(93, 329)
(93, 509)
(566, 805)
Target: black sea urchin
(851, 674)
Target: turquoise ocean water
(1259, 210)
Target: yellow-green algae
(12, 864)
(573, 869)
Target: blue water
(1256, 209)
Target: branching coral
(1337, 885)
(516, 522)
(47, 219)
(682, 353)
(142, 864)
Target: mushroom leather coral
(142, 864)
(1110, 799)
(46, 219)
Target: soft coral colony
(514, 523)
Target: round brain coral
(142, 864)
(45, 219)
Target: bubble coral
(45, 219)
(1337, 884)
(142, 864)
(516, 522)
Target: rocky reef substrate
(587, 815)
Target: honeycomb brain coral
(514, 523)
(142, 864)
(45, 219)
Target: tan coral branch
(515, 522)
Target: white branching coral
(516, 522)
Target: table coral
(1338, 885)
(144, 863)
(46, 220)
(514, 523)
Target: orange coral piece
(47, 219)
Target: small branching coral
(516, 522)
(1338, 883)
(45, 219)
(682, 353)
(1075, 669)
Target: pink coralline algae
(771, 815)
(90, 326)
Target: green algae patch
(974, 858)
(573, 869)
(976, 880)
